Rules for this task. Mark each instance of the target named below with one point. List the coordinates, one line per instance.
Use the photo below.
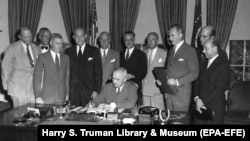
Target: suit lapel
(108, 57)
(27, 62)
(156, 57)
(214, 64)
(51, 61)
(180, 51)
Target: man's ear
(40, 37)
(19, 36)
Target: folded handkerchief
(181, 59)
(160, 60)
(90, 58)
(113, 60)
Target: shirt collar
(179, 45)
(130, 50)
(120, 88)
(107, 50)
(210, 61)
(54, 54)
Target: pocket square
(113, 60)
(90, 58)
(160, 60)
(181, 59)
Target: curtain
(122, 17)
(76, 13)
(170, 12)
(220, 14)
(23, 13)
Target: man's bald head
(207, 33)
(25, 35)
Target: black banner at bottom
(78, 132)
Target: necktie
(118, 91)
(150, 58)
(127, 55)
(79, 55)
(104, 56)
(29, 55)
(44, 47)
(57, 63)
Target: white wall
(51, 17)
(4, 35)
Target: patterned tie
(118, 91)
(57, 63)
(29, 55)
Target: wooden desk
(10, 132)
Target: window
(240, 60)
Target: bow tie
(44, 47)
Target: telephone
(153, 111)
(149, 110)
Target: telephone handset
(149, 110)
(152, 111)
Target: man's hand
(39, 100)
(158, 82)
(166, 96)
(199, 105)
(67, 98)
(172, 81)
(91, 104)
(130, 76)
(94, 95)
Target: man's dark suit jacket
(212, 84)
(136, 64)
(85, 75)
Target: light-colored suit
(125, 99)
(109, 64)
(49, 84)
(151, 93)
(17, 73)
(184, 67)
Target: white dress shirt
(210, 61)
(54, 56)
(82, 48)
(106, 51)
(178, 46)
(153, 51)
(130, 52)
(25, 49)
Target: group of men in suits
(83, 72)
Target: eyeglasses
(203, 36)
(116, 79)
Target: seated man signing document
(121, 92)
